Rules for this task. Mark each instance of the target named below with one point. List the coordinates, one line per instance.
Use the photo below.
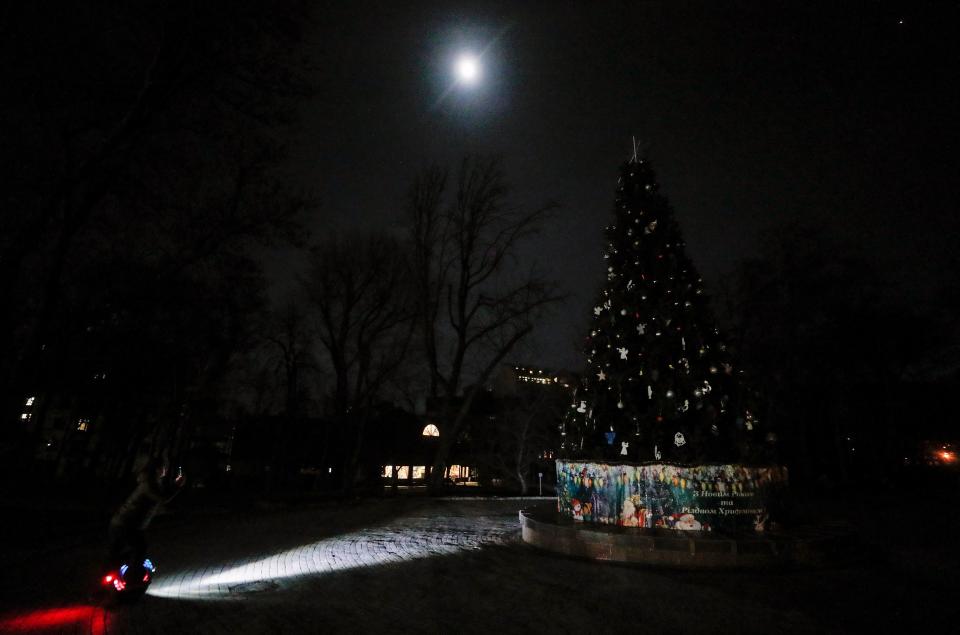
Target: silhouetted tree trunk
(358, 285)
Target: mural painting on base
(683, 497)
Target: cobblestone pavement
(420, 565)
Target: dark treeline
(383, 328)
(140, 153)
(856, 376)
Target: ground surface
(421, 565)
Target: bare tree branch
(486, 317)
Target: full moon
(468, 69)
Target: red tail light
(107, 579)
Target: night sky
(753, 114)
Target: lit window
(30, 401)
(387, 471)
(419, 471)
(459, 472)
(403, 472)
(431, 431)
(83, 425)
(25, 416)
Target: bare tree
(525, 427)
(291, 340)
(473, 304)
(358, 285)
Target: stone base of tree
(547, 529)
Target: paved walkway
(421, 565)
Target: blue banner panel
(683, 497)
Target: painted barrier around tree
(683, 497)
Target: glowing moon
(468, 69)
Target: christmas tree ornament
(623, 352)
(649, 391)
(597, 310)
(669, 394)
(623, 447)
(656, 453)
(602, 376)
(679, 440)
(583, 407)
(611, 436)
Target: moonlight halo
(467, 69)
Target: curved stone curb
(688, 550)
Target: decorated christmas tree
(661, 383)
